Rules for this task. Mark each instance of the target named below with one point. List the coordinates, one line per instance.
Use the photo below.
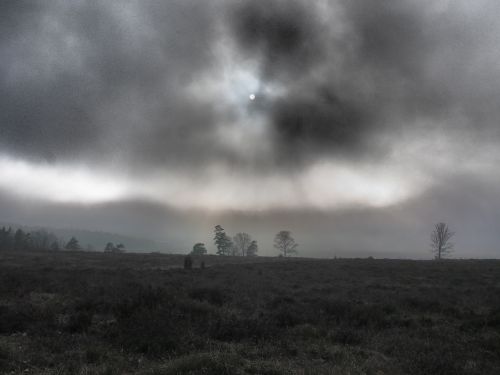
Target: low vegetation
(101, 313)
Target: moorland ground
(94, 313)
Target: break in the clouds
(247, 105)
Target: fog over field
(356, 125)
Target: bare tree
(440, 240)
(241, 243)
(285, 243)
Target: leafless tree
(440, 240)
(241, 243)
(285, 243)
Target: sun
(252, 96)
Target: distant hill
(97, 240)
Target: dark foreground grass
(124, 314)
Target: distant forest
(43, 240)
(20, 240)
(88, 240)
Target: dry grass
(90, 313)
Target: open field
(91, 313)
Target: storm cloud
(108, 81)
(356, 104)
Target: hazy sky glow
(261, 108)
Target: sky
(356, 125)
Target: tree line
(43, 240)
(20, 240)
(242, 244)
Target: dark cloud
(284, 35)
(393, 37)
(318, 122)
(79, 79)
(423, 59)
(89, 81)
(140, 86)
(335, 114)
(384, 67)
(312, 118)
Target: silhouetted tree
(284, 242)
(231, 248)
(28, 241)
(6, 239)
(109, 248)
(222, 241)
(252, 249)
(241, 243)
(73, 244)
(199, 249)
(440, 240)
(41, 239)
(21, 240)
